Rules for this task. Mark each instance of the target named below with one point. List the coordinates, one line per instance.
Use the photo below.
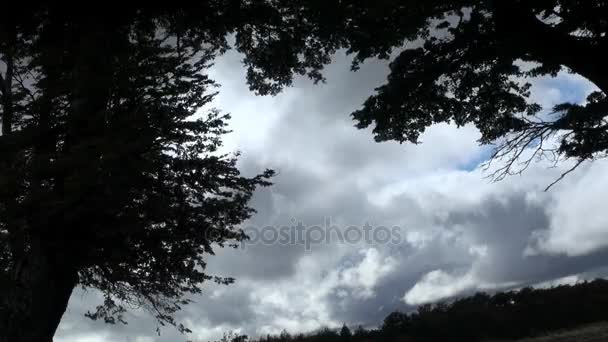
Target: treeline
(504, 315)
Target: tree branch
(7, 96)
(527, 36)
(565, 174)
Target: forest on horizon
(510, 315)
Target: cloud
(460, 232)
(364, 276)
(567, 280)
(578, 217)
(437, 285)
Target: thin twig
(565, 174)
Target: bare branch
(512, 149)
(21, 82)
(565, 174)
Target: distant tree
(345, 334)
(396, 322)
(324, 334)
(233, 337)
(285, 335)
(360, 331)
(110, 175)
(460, 62)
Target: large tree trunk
(35, 297)
(34, 300)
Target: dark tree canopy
(110, 178)
(460, 62)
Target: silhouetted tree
(110, 177)
(461, 62)
(345, 334)
(233, 337)
(396, 323)
(359, 331)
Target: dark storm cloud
(504, 227)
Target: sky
(440, 228)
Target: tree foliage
(460, 62)
(110, 173)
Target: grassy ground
(591, 333)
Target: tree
(345, 334)
(110, 177)
(461, 62)
(108, 181)
(395, 323)
(234, 337)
